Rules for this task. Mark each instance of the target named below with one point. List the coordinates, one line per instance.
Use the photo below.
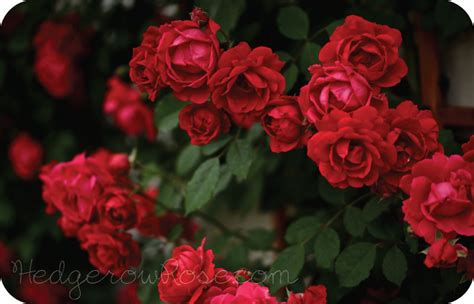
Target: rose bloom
(117, 208)
(441, 191)
(350, 149)
(116, 163)
(334, 87)
(224, 282)
(248, 292)
(186, 274)
(313, 295)
(124, 104)
(109, 251)
(468, 149)
(371, 49)
(73, 188)
(44, 293)
(188, 53)
(246, 80)
(203, 123)
(414, 134)
(442, 253)
(6, 256)
(26, 155)
(284, 123)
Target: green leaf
(309, 56)
(326, 248)
(215, 146)
(260, 239)
(374, 207)
(394, 266)
(286, 268)
(225, 13)
(166, 113)
(291, 74)
(302, 229)
(187, 159)
(239, 158)
(225, 176)
(200, 188)
(293, 22)
(354, 221)
(170, 196)
(355, 263)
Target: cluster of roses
(123, 103)
(60, 46)
(190, 276)
(99, 205)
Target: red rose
(441, 191)
(334, 87)
(224, 282)
(55, 71)
(442, 253)
(143, 65)
(109, 251)
(468, 149)
(117, 208)
(369, 48)
(116, 163)
(415, 136)
(246, 79)
(313, 295)
(186, 274)
(42, 293)
(74, 188)
(245, 120)
(349, 148)
(187, 57)
(284, 123)
(6, 257)
(124, 104)
(128, 294)
(26, 155)
(203, 123)
(248, 292)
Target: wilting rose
(124, 104)
(441, 191)
(188, 53)
(246, 80)
(203, 123)
(313, 295)
(26, 155)
(248, 292)
(284, 123)
(334, 87)
(414, 134)
(109, 251)
(442, 253)
(186, 274)
(370, 48)
(350, 149)
(468, 149)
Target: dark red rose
(42, 293)
(245, 120)
(128, 294)
(187, 56)
(414, 134)
(223, 282)
(248, 292)
(203, 123)
(109, 251)
(74, 188)
(441, 191)
(468, 149)
(186, 275)
(124, 104)
(246, 79)
(334, 87)
(116, 163)
(443, 253)
(6, 257)
(466, 265)
(26, 155)
(313, 295)
(55, 71)
(284, 123)
(370, 48)
(143, 65)
(117, 208)
(350, 149)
